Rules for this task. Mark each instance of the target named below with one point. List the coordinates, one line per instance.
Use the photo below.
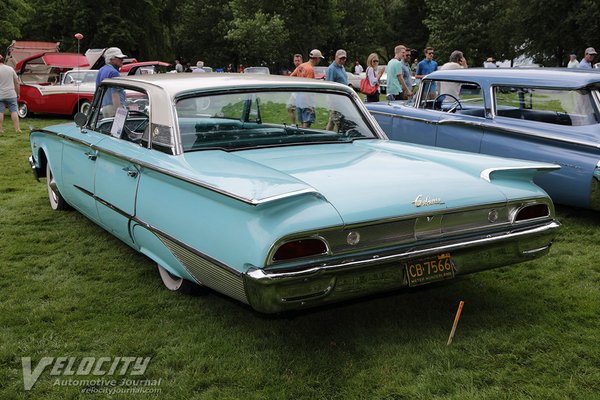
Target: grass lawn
(68, 288)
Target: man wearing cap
(586, 63)
(306, 108)
(113, 98)
(306, 70)
(9, 92)
(336, 73)
(573, 63)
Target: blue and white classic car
(284, 193)
(539, 114)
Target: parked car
(353, 80)
(257, 70)
(207, 177)
(320, 72)
(19, 50)
(145, 67)
(74, 89)
(534, 114)
(48, 87)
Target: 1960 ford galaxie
(284, 193)
(541, 114)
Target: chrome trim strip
(196, 182)
(410, 118)
(104, 202)
(189, 248)
(486, 173)
(545, 135)
(454, 121)
(535, 251)
(260, 274)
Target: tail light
(300, 249)
(532, 211)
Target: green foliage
(216, 32)
(258, 38)
(13, 15)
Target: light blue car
(540, 114)
(284, 193)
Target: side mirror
(80, 119)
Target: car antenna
(78, 36)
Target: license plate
(420, 271)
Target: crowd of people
(400, 72)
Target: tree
(258, 38)
(13, 15)
(478, 29)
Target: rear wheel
(84, 107)
(177, 284)
(23, 110)
(56, 200)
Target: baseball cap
(315, 54)
(113, 52)
(340, 53)
(590, 50)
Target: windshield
(244, 120)
(81, 76)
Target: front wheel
(177, 284)
(56, 200)
(22, 110)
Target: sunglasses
(375, 61)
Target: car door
(78, 170)
(118, 158)
(554, 125)
(460, 126)
(406, 123)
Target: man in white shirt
(457, 61)
(9, 93)
(573, 63)
(358, 69)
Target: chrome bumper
(276, 291)
(34, 169)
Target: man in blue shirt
(588, 59)
(336, 73)
(113, 98)
(425, 67)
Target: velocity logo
(74, 366)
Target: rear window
(274, 118)
(553, 106)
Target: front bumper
(276, 291)
(34, 168)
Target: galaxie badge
(426, 201)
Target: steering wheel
(351, 133)
(453, 107)
(135, 133)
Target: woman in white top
(373, 75)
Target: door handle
(91, 156)
(132, 172)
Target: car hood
(365, 180)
